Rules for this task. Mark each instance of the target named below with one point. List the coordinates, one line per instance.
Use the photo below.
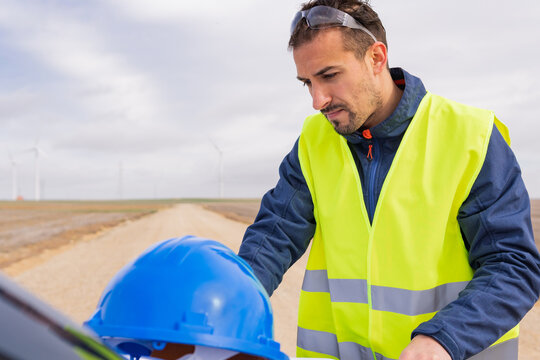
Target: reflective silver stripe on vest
(354, 351)
(326, 343)
(411, 302)
(507, 350)
(315, 281)
(401, 301)
(348, 290)
(317, 341)
(341, 290)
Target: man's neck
(391, 95)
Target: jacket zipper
(374, 165)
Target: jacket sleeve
(283, 227)
(495, 222)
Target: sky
(135, 99)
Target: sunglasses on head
(321, 16)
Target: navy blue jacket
(495, 223)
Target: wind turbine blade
(41, 152)
(215, 145)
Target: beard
(355, 119)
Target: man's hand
(423, 347)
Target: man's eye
(306, 83)
(329, 76)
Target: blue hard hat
(187, 291)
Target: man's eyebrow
(325, 69)
(319, 73)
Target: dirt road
(71, 278)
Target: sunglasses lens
(319, 17)
(323, 16)
(299, 15)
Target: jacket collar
(396, 124)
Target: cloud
(78, 51)
(149, 83)
(14, 105)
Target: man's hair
(354, 40)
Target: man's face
(342, 86)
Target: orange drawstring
(367, 135)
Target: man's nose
(321, 98)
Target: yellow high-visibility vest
(368, 286)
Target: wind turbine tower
(221, 185)
(120, 180)
(14, 180)
(37, 153)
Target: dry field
(30, 228)
(243, 211)
(65, 252)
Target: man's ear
(378, 57)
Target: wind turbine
(120, 180)
(37, 153)
(221, 185)
(14, 183)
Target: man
(422, 241)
